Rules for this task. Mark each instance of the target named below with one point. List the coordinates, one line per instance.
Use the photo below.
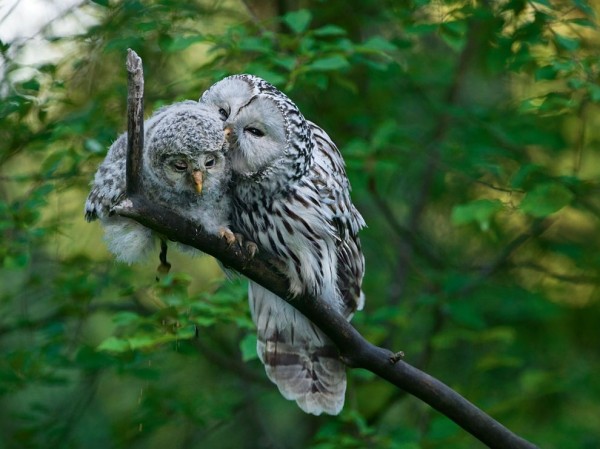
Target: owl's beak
(227, 131)
(197, 175)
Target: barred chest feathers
(291, 196)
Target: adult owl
(183, 167)
(291, 196)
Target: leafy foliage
(470, 135)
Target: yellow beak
(227, 132)
(198, 180)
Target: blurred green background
(471, 134)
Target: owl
(291, 196)
(183, 167)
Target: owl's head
(184, 154)
(266, 131)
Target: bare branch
(135, 120)
(354, 350)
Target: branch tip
(134, 62)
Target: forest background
(470, 131)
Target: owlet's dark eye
(210, 162)
(255, 131)
(180, 165)
(223, 113)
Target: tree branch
(135, 121)
(355, 351)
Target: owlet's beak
(197, 175)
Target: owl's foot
(251, 247)
(163, 269)
(228, 235)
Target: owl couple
(244, 159)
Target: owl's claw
(251, 247)
(228, 235)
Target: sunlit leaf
(478, 211)
(546, 199)
(114, 344)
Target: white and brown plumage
(183, 167)
(291, 196)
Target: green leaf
(248, 347)
(181, 43)
(478, 211)
(546, 199)
(329, 30)
(32, 84)
(568, 43)
(584, 6)
(256, 44)
(114, 344)
(583, 22)
(125, 318)
(547, 72)
(298, 21)
(286, 62)
(524, 175)
(336, 62)
(93, 146)
(594, 91)
(378, 44)
(454, 34)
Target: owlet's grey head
(183, 167)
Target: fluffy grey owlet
(183, 167)
(292, 197)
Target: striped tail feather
(298, 357)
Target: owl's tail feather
(298, 357)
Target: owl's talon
(228, 235)
(252, 249)
(249, 246)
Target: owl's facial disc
(226, 97)
(256, 135)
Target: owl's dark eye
(255, 131)
(210, 162)
(180, 165)
(223, 113)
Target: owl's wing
(334, 190)
(298, 357)
(109, 183)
